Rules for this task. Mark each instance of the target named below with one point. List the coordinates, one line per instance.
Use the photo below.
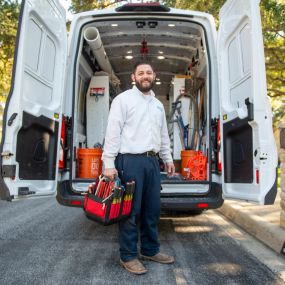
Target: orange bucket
(198, 167)
(89, 162)
(185, 156)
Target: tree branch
(274, 48)
(277, 93)
(280, 35)
(272, 67)
(277, 57)
(277, 78)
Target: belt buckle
(150, 153)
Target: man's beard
(145, 89)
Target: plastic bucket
(185, 156)
(89, 162)
(198, 167)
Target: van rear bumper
(66, 197)
(212, 200)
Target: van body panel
(78, 64)
(248, 146)
(51, 83)
(33, 110)
(66, 196)
(212, 200)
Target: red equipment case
(108, 202)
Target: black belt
(147, 153)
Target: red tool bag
(108, 202)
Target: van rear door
(32, 115)
(248, 146)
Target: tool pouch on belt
(108, 202)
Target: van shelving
(137, 39)
(54, 77)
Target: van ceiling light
(160, 57)
(129, 57)
(140, 24)
(114, 25)
(157, 82)
(171, 25)
(157, 79)
(129, 51)
(152, 25)
(160, 52)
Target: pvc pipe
(92, 37)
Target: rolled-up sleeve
(165, 150)
(113, 133)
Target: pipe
(92, 36)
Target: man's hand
(110, 173)
(170, 168)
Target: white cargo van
(63, 86)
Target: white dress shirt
(136, 124)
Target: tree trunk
(282, 183)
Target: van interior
(177, 49)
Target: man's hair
(142, 62)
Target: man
(136, 132)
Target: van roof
(169, 40)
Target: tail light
(76, 203)
(143, 7)
(257, 176)
(61, 163)
(202, 205)
(219, 161)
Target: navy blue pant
(146, 205)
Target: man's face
(144, 78)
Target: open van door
(248, 146)
(32, 115)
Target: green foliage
(9, 13)
(273, 21)
(211, 7)
(86, 5)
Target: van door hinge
(6, 154)
(250, 109)
(9, 171)
(25, 191)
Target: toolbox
(108, 202)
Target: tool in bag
(107, 201)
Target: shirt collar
(140, 93)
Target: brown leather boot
(160, 257)
(134, 266)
